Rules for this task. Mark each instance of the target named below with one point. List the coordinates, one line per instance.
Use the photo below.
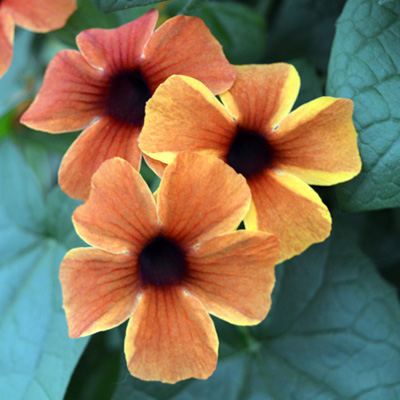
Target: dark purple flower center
(249, 153)
(127, 97)
(162, 262)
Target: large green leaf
(36, 355)
(364, 66)
(333, 333)
(113, 5)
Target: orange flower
(167, 266)
(278, 153)
(35, 15)
(104, 88)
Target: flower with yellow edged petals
(279, 153)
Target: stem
(252, 344)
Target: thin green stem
(251, 343)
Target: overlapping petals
(34, 15)
(262, 95)
(170, 335)
(104, 88)
(101, 141)
(278, 152)
(205, 211)
(120, 214)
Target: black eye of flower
(127, 96)
(162, 262)
(249, 153)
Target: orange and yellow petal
(199, 197)
(99, 289)
(120, 49)
(318, 142)
(39, 15)
(170, 337)
(120, 214)
(6, 41)
(184, 115)
(71, 97)
(233, 275)
(262, 95)
(184, 45)
(288, 208)
(105, 139)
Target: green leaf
(303, 29)
(39, 160)
(364, 66)
(113, 5)
(37, 357)
(240, 30)
(332, 333)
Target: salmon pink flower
(104, 88)
(34, 15)
(166, 266)
(278, 153)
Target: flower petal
(184, 115)
(289, 209)
(71, 97)
(184, 45)
(6, 41)
(40, 15)
(120, 49)
(170, 337)
(262, 95)
(318, 142)
(120, 214)
(200, 197)
(99, 289)
(233, 275)
(105, 139)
